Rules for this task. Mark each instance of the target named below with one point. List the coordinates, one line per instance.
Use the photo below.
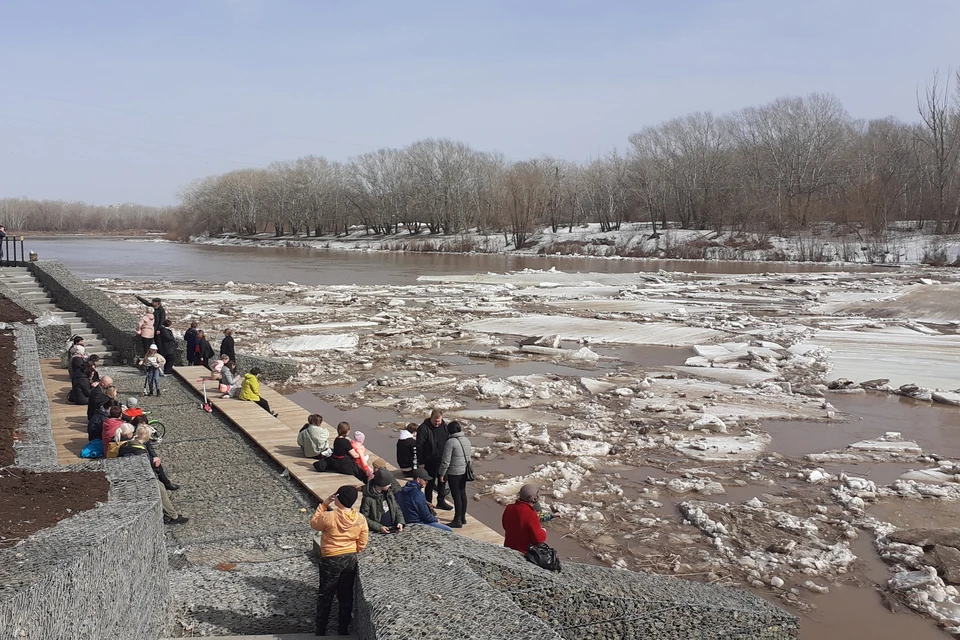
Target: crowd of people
(435, 458)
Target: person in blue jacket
(413, 503)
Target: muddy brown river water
(849, 611)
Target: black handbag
(468, 474)
(544, 556)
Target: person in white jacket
(314, 438)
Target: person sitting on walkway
(521, 520)
(250, 390)
(343, 534)
(457, 453)
(140, 445)
(205, 354)
(146, 329)
(131, 409)
(314, 438)
(229, 380)
(407, 450)
(153, 362)
(431, 436)
(218, 364)
(95, 423)
(111, 425)
(80, 385)
(363, 458)
(414, 504)
(343, 458)
(379, 504)
(155, 463)
(97, 395)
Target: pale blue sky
(127, 101)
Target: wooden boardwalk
(278, 438)
(69, 421)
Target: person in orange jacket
(344, 534)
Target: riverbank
(638, 241)
(683, 426)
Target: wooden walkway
(278, 438)
(69, 421)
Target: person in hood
(431, 436)
(453, 469)
(80, 384)
(414, 504)
(250, 390)
(521, 520)
(191, 338)
(314, 438)
(407, 450)
(343, 534)
(379, 503)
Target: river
(97, 257)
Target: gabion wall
(427, 583)
(52, 338)
(117, 325)
(101, 574)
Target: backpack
(93, 449)
(544, 556)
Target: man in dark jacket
(168, 346)
(226, 345)
(414, 505)
(192, 339)
(159, 313)
(431, 436)
(379, 503)
(97, 396)
(205, 354)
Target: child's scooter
(206, 404)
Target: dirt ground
(31, 502)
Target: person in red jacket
(521, 521)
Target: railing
(10, 246)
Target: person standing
(407, 450)
(521, 521)
(453, 469)
(159, 313)
(192, 339)
(344, 534)
(205, 355)
(3, 235)
(431, 437)
(146, 329)
(168, 346)
(226, 345)
(153, 362)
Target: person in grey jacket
(457, 452)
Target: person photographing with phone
(343, 534)
(379, 505)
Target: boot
(444, 505)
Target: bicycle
(157, 428)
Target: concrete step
(21, 284)
(286, 636)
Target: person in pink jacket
(146, 330)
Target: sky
(117, 101)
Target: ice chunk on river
(316, 343)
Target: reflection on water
(114, 258)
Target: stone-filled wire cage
(425, 583)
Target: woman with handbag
(456, 470)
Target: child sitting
(363, 459)
(131, 410)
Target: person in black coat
(205, 354)
(226, 345)
(431, 437)
(159, 313)
(192, 339)
(167, 344)
(80, 385)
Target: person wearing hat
(153, 362)
(159, 313)
(343, 534)
(379, 503)
(413, 503)
(521, 520)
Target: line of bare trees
(23, 214)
